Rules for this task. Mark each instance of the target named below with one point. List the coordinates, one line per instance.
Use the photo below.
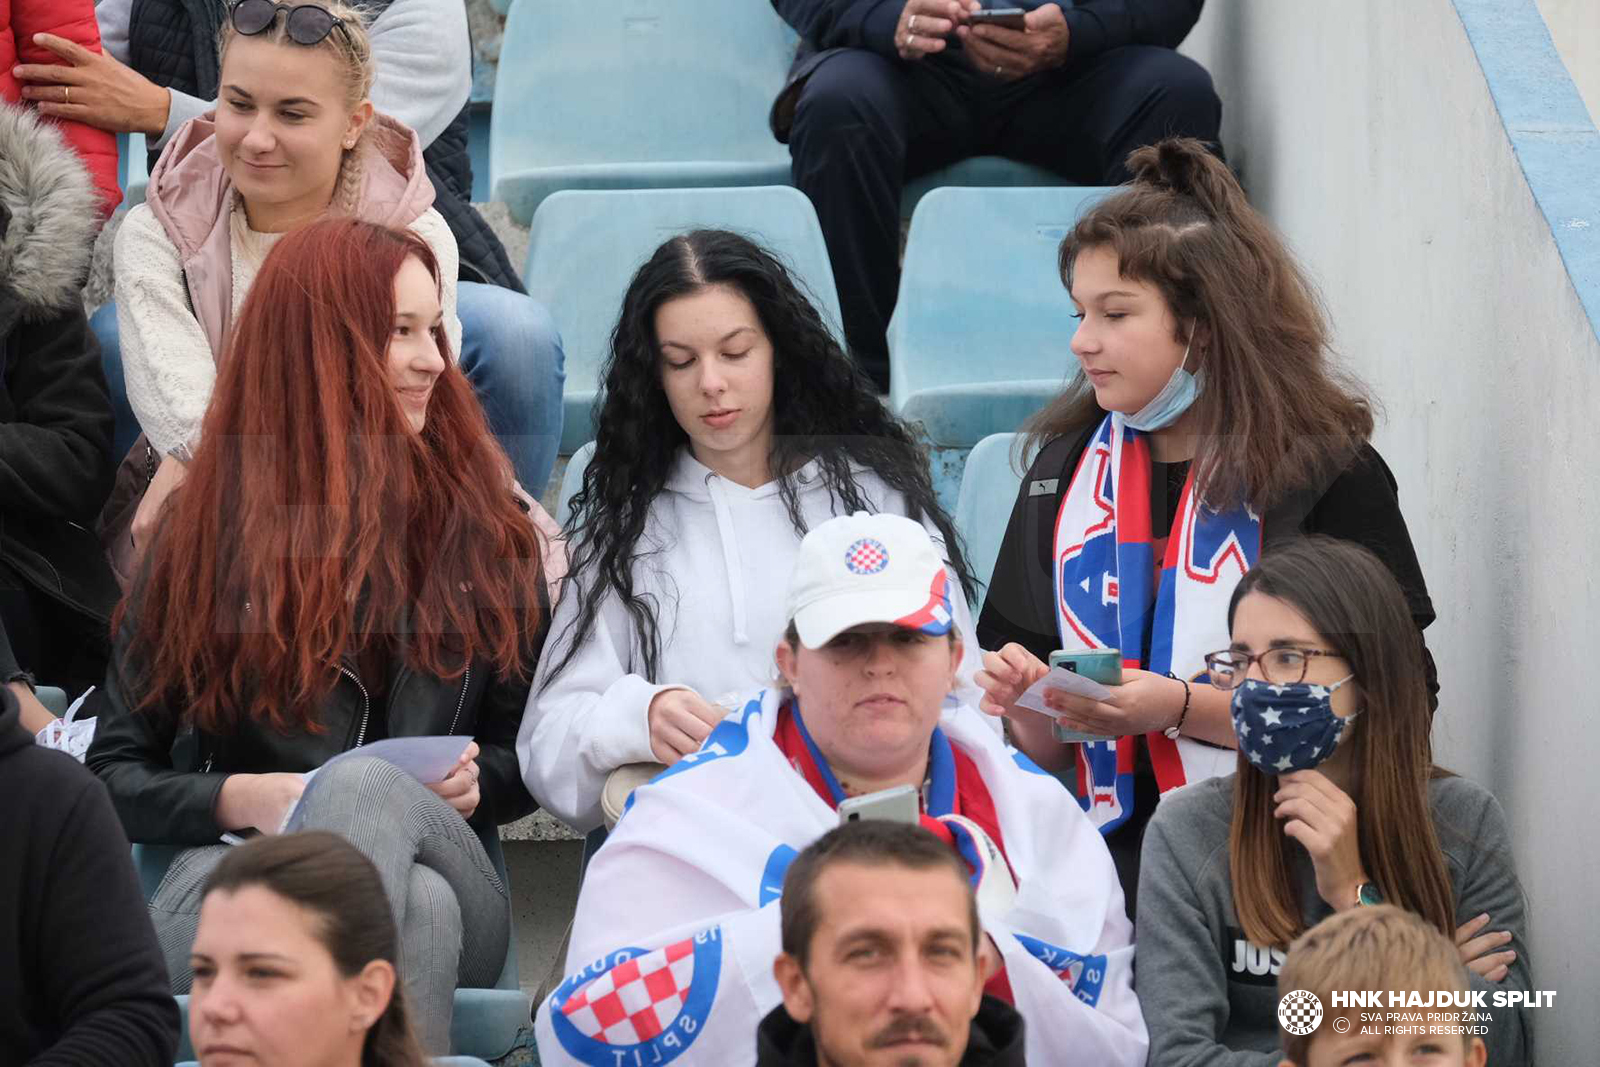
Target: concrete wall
(1369, 133)
(1575, 27)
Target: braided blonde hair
(351, 48)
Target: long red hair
(314, 521)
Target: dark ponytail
(329, 877)
(1274, 416)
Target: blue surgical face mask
(1283, 728)
(1173, 400)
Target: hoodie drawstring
(730, 556)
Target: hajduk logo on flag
(634, 1007)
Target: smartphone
(1009, 17)
(899, 804)
(1103, 665)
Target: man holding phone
(682, 902)
(882, 92)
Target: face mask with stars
(1283, 728)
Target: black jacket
(164, 775)
(174, 44)
(82, 980)
(1359, 504)
(55, 414)
(995, 1040)
(827, 26)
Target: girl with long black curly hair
(731, 423)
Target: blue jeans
(510, 352)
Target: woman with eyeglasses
(294, 137)
(1336, 803)
(1209, 423)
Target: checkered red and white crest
(636, 1000)
(866, 556)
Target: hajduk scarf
(1107, 596)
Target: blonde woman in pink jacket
(294, 136)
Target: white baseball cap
(863, 568)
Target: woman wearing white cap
(675, 934)
(731, 423)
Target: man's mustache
(909, 1027)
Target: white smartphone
(899, 804)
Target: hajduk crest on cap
(866, 556)
(893, 573)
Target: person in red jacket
(73, 20)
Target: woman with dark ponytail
(1209, 423)
(731, 423)
(295, 960)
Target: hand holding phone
(1103, 665)
(1011, 18)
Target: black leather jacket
(164, 776)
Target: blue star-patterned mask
(1283, 728)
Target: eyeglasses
(305, 24)
(1285, 665)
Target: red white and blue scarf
(1108, 596)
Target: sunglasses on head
(305, 24)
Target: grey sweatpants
(452, 911)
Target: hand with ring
(459, 789)
(92, 88)
(924, 25)
(1042, 44)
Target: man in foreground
(883, 958)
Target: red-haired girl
(344, 562)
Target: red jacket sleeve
(74, 20)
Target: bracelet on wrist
(1177, 728)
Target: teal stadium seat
(640, 94)
(584, 247)
(981, 171)
(55, 700)
(133, 168)
(980, 334)
(988, 493)
(485, 1022)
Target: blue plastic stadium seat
(647, 94)
(988, 493)
(485, 1022)
(980, 334)
(55, 700)
(133, 169)
(984, 171)
(585, 246)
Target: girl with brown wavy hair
(1335, 803)
(1209, 422)
(296, 960)
(344, 563)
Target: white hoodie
(715, 558)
